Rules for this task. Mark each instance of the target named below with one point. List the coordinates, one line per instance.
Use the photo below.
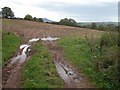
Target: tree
(40, 20)
(64, 21)
(93, 26)
(100, 27)
(72, 22)
(28, 17)
(7, 12)
(69, 22)
(110, 27)
(57, 23)
(35, 19)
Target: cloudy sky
(80, 10)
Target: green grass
(10, 44)
(40, 72)
(77, 51)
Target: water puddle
(67, 74)
(23, 56)
(43, 39)
(34, 40)
(25, 47)
(15, 59)
(49, 39)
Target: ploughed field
(29, 29)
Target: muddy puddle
(34, 40)
(25, 48)
(67, 74)
(13, 70)
(43, 39)
(21, 58)
(49, 39)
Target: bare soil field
(29, 29)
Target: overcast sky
(80, 10)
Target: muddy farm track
(69, 73)
(28, 30)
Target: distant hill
(46, 20)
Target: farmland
(78, 49)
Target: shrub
(69, 22)
(108, 39)
(28, 17)
(105, 57)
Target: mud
(71, 77)
(13, 70)
(68, 76)
(21, 58)
(12, 74)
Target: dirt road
(71, 77)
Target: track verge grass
(40, 72)
(10, 44)
(100, 67)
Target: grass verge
(10, 44)
(100, 67)
(40, 72)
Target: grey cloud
(17, 2)
(90, 12)
(96, 12)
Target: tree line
(102, 27)
(9, 14)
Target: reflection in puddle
(29, 50)
(15, 59)
(23, 56)
(34, 40)
(25, 48)
(49, 38)
(22, 46)
(66, 74)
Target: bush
(101, 67)
(101, 27)
(68, 22)
(108, 39)
(40, 20)
(105, 58)
(28, 17)
(93, 26)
